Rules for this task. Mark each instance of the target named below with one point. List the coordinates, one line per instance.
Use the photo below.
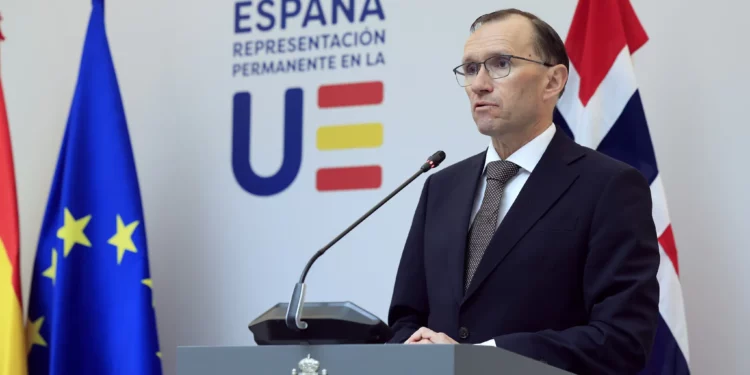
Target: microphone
(294, 311)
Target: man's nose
(482, 82)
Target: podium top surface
(391, 359)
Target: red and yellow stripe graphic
(349, 178)
(349, 137)
(12, 342)
(350, 94)
(342, 137)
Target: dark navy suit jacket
(569, 277)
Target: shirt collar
(528, 156)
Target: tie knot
(501, 170)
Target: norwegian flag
(602, 109)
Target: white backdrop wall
(220, 256)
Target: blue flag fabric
(91, 306)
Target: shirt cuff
(490, 342)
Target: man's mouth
(484, 105)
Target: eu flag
(91, 306)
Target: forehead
(511, 35)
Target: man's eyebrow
(468, 57)
(472, 57)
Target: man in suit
(537, 245)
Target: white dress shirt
(526, 157)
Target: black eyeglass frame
(483, 63)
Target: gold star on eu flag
(150, 285)
(51, 272)
(123, 239)
(33, 336)
(72, 232)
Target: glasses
(496, 66)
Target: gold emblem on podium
(308, 366)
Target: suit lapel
(457, 221)
(551, 178)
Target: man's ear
(557, 77)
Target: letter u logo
(243, 170)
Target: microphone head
(437, 158)
(433, 161)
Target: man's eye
(500, 63)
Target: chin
(489, 129)
(485, 131)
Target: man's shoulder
(460, 169)
(589, 163)
(600, 165)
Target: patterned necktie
(485, 221)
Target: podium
(361, 359)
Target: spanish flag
(12, 342)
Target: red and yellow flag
(12, 339)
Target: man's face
(510, 104)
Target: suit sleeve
(409, 308)
(621, 291)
